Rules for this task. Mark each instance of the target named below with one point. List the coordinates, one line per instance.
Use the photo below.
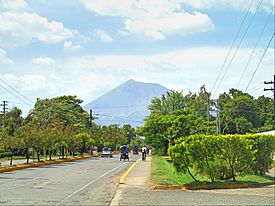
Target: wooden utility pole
(5, 104)
(272, 89)
(91, 121)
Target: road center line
(70, 195)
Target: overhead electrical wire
(260, 61)
(259, 93)
(256, 90)
(121, 118)
(17, 102)
(256, 86)
(258, 40)
(16, 91)
(15, 95)
(121, 106)
(231, 47)
(232, 58)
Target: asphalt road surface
(84, 182)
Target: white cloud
(3, 58)
(21, 28)
(269, 57)
(154, 18)
(177, 23)
(44, 61)
(27, 82)
(242, 5)
(68, 45)
(184, 70)
(102, 35)
(15, 5)
(91, 76)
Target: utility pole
(208, 108)
(219, 123)
(5, 104)
(91, 121)
(272, 89)
(217, 110)
(91, 130)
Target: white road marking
(70, 195)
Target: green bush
(262, 147)
(223, 157)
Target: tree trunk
(189, 172)
(38, 156)
(50, 153)
(232, 173)
(11, 160)
(27, 155)
(62, 151)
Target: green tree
(129, 131)
(84, 141)
(234, 152)
(174, 115)
(238, 112)
(113, 136)
(67, 109)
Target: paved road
(83, 182)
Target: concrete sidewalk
(136, 180)
(136, 190)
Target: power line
(15, 95)
(258, 40)
(257, 86)
(17, 103)
(113, 120)
(233, 43)
(259, 92)
(16, 91)
(256, 90)
(121, 118)
(121, 106)
(232, 58)
(260, 61)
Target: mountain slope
(125, 104)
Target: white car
(106, 152)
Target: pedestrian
(144, 151)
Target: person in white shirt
(144, 151)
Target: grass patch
(164, 173)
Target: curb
(39, 164)
(122, 178)
(212, 187)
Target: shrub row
(223, 157)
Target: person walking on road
(144, 151)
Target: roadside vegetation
(212, 139)
(164, 173)
(57, 127)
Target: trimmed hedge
(223, 157)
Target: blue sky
(86, 47)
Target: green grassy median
(163, 173)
